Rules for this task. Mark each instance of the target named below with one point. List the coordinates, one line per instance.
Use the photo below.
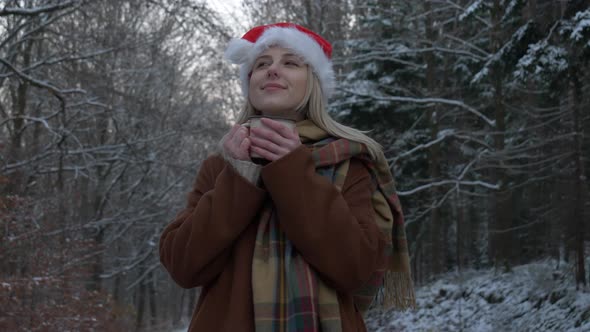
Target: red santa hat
(315, 51)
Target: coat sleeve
(196, 245)
(334, 230)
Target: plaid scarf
(288, 294)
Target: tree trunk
(501, 242)
(19, 104)
(140, 306)
(460, 221)
(579, 180)
(192, 298)
(437, 237)
(179, 314)
(152, 296)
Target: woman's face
(278, 82)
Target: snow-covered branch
(427, 100)
(446, 183)
(36, 10)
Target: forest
(107, 109)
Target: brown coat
(211, 242)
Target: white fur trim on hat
(237, 50)
(244, 53)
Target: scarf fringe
(398, 291)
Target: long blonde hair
(314, 105)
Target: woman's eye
(291, 63)
(261, 64)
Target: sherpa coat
(211, 242)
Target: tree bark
(501, 241)
(19, 104)
(192, 299)
(579, 179)
(140, 306)
(437, 237)
(152, 296)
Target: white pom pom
(238, 50)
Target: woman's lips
(273, 86)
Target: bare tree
(109, 107)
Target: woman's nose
(272, 71)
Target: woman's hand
(236, 143)
(274, 140)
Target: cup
(254, 122)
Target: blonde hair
(314, 105)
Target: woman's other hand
(236, 143)
(273, 140)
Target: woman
(302, 243)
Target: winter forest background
(108, 107)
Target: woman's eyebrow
(263, 57)
(286, 55)
(292, 55)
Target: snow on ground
(533, 297)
